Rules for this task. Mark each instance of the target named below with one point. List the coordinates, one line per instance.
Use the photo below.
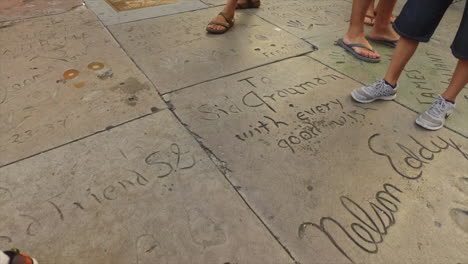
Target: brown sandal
(226, 26)
(249, 4)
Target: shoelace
(437, 108)
(375, 88)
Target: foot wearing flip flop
(384, 35)
(360, 48)
(221, 23)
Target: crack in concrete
(222, 166)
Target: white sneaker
(376, 91)
(434, 117)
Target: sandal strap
(358, 45)
(228, 19)
(220, 24)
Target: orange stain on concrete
(95, 66)
(80, 84)
(71, 74)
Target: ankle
(380, 30)
(354, 33)
(449, 99)
(229, 13)
(391, 82)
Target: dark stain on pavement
(130, 88)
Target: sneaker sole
(420, 123)
(385, 98)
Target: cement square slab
(176, 51)
(305, 18)
(141, 193)
(335, 181)
(427, 74)
(64, 77)
(109, 15)
(20, 9)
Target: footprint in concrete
(204, 230)
(461, 218)
(462, 185)
(5, 195)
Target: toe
(377, 55)
(212, 27)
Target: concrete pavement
(128, 135)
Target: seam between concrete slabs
(78, 139)
(210, 154)
(241, 71)
(223, 168)
(110, 127)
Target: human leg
(434, 117)
(414, 25)
(385, 89)
(402, 54)
(458, 82)
(382, 29)
(355, 33)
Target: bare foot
(361, 51)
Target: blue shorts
(419, 19)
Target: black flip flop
(349, 48)
(388, 43)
